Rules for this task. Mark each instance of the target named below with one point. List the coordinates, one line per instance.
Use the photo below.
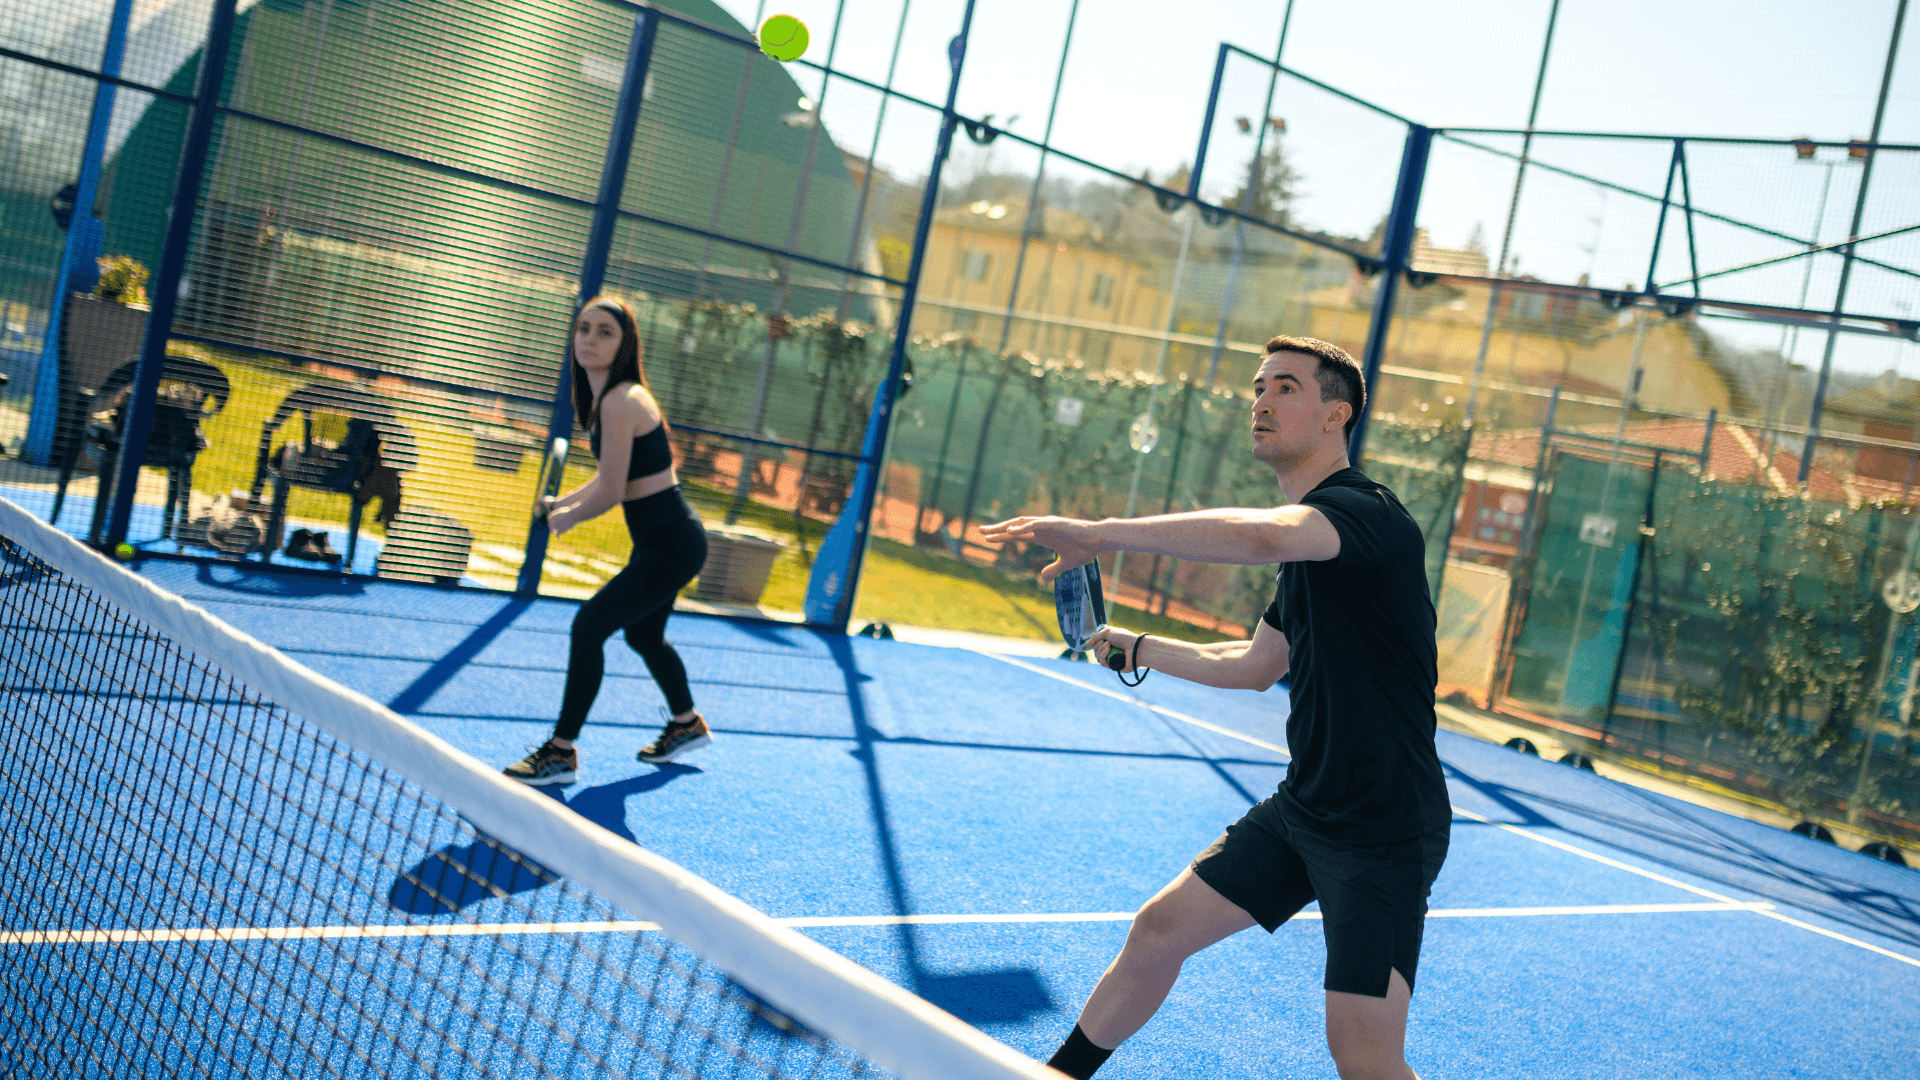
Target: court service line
(1766, 909)
(1148, 705)
(320, 933)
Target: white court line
(1665, 880)
(1763, 909)
(320, 933)
(1148, 705)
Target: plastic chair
(374, 439)
(190, 391)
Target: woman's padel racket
(1082, 609)
(551, 472)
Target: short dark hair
(1338, 374)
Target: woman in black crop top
(629, 438)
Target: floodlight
(1803, 148)
(1366, 265)
(1212, 216)
(1675, 306)
(1278, 124)
(1859, 149)
(1420, 279)
(1169, 202)
(1245, 125)
(1614, 301)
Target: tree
(1272, 179)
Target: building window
(1102, 295)
(974, 265)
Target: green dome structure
(463, 270)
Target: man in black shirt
(1361, 821)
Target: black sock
(1078, 1057)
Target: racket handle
(1117, 660)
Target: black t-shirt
(1360, 630)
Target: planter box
(739, 561)
(423, 545)
(100, 338)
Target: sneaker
(548, 764)
(677, 739)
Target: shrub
(123, 280)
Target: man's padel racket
(551, 471)
(1082, 609)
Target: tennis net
(220, 864)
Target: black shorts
(1373, 899)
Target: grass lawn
(899, 583)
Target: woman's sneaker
(677, 739)
(548, 764)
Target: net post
(593, 264)
(836, 569)
(1395, 249)
(173, 264)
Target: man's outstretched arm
(1241, 537)
(1230, 665)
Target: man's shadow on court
(459, 875)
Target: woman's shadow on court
(459, 875)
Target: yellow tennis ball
(123, 551)
(783, 37)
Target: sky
(1137, 76)
(1136, 80)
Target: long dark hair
(628, 362)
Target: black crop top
(651, 454)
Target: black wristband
(1133, 661)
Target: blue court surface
(977, 829)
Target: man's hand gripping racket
(1078, 601)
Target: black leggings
(669, 548)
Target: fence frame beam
(830, 587)
(593, 264)
(165, 295)
(1395, 251)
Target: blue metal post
(1686, 206)
(1660, 226)
(84, 244)
(1848, 253)
(1206, 126)
(836, 569)
(173, 265)
(593, 266)
(1395, 250)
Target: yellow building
(1082, 296)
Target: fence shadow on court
(991, 996)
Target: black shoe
(548, 764)
(676, 740)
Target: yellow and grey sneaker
(677, 739)
(548, 764)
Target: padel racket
(551, 471)
(1082, 609)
